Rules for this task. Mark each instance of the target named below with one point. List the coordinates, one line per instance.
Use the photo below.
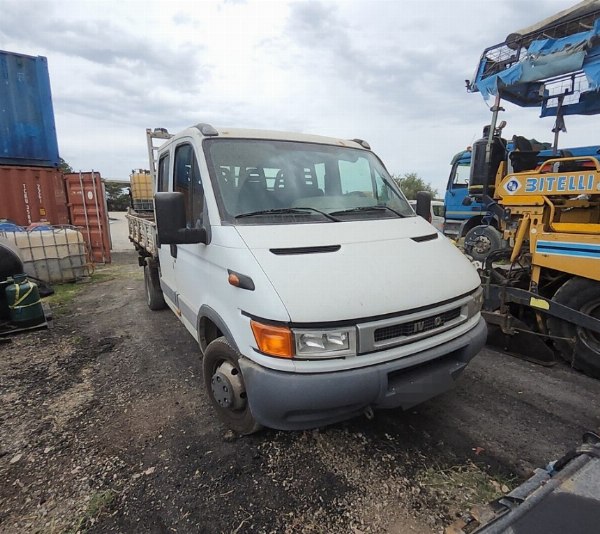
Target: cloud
(390, 72)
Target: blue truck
(459, 217)
(466, 217)
(470, 220)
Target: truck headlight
(335, 343)
(477, 302)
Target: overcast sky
(390, 72)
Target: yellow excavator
(543, 286)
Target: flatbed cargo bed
(142, 232)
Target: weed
(100, 502)
(474, 484)
(63, 296)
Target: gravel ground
(104, 427)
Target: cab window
(187, 180)
(163, 174)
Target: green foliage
(63, 296)
(100, 503)
(117, 197)
(411, 184)
(64, 166)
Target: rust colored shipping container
(87, 208)
(32, 194)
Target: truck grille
(412, 326)
(415, 327)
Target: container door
(27, 119)
(32, 195)
(87, 207)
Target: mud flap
(523, 343)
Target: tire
(481, 240)
(225, 387)
(582, 295)
(154, 294)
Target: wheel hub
(227, 387)
(481, 244)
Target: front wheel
(225, 387)
(583, 352)
(481, 241)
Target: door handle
(173, 250)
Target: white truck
(314, 291)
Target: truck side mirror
(424, 205)
(169, 209)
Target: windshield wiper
(324, 213)
(285, 211)
(368, 208)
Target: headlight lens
(477, 303)
(335, 343)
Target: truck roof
(246, 133)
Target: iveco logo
(419, 326)
(438, 321)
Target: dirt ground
(105, 427)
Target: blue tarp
(546, 59)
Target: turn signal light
(273, 340)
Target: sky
(390, 72)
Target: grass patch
(468, 484)
(63, 296)
(99, 503)
(112, 272)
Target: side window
(461, 175)
(187, 180)
(163, 173)
(383, 190)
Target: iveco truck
(313, 289)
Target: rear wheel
(154, 294)
(481, 240)
(583, 353)
(225, 387)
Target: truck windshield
(284, 182)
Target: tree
(63, 166)
(411, 184)
(117, 197)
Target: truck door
(191, 262)
(167, 254)
(457, 190)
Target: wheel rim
(228, 388)
(481, 244)
(591, 339)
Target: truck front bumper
(294, 401)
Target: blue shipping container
(27, 130)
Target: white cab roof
(245, 133)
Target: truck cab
(458, 214)
(312, 288)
